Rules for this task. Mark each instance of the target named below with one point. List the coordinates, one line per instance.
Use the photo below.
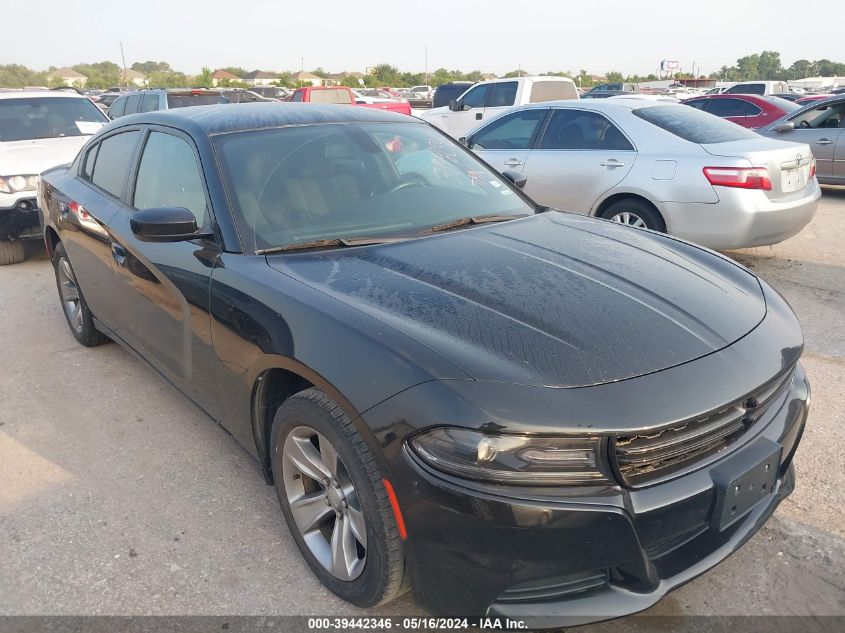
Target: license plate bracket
(791, 180)
(744, 480)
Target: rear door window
(512, 131)
(693, 125)
(132, 103)
(150, 102)
(111, 166)
(727, 107)
(503, 94)
(571, 129)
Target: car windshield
(300, 184)
(694, 125)
(48, 117)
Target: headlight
(14, 184)
(512, 459)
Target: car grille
(645, 458)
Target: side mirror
(784, 127)
(517, 178)
(168, 224)
(453, 105)
(463, 141)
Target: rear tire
(310, 434)
(636, 213)
(11, 252)
(76, 311)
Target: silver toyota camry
(658, 165)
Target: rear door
(838, 172)
(90, 201)
(162, 289)
(505, 142)
(820, 128)
(579, 156)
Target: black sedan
(510, 409)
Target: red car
(345, 96)
(751, 111)
(810, 98)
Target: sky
(487, 35)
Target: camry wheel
(77, 314)
(334, 500)
(634, 212)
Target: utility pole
(123, 58)
(426, 64)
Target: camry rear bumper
(742, 218)
(564, 559)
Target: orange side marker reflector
(397, 513)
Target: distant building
(222, 75)
(308, 78)
(69, 77)
(260, 78)
(133, 77)
(489, 76)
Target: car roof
(237, 117)
(633, 102)
(50, 94)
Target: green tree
(17, 76)
(204, 79)
(614, 77)
(237, 71)
(100, 74)
(150, 67)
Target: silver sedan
(657, 165)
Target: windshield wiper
(329, 243)
(476, 219)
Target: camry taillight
(78, 210)
(741, 177)
(812, 170)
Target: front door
(162, 288)
(505, 142)
(821, 129)
(579, 156)
(470, 112)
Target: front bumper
(742, 218)
(567, 560)
(20, 221)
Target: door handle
(478, 116)
(513, 162)
(612, 162)
(824, 141)
(118, 253)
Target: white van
(758, 88)
(488, 99)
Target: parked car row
(515, 411)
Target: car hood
(550, 300)
(38, 155)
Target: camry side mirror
(168, 224)
(516, 177)
(784, 127)
(463, 141)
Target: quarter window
(114, 157)
(132, 103)
(169, 176)
(150, 102)
(90, 158)
(727, 107)
(512, 131)
(571, 129)
(118, 108)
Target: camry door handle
(824, 141)
(611, 163)
(513, 162)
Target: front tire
(11, 252)
(636, 213)
(76, 311)
(334, 500)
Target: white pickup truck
(488, 99)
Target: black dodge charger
(509, 409)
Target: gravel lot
(118, 497)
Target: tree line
(766, 65)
